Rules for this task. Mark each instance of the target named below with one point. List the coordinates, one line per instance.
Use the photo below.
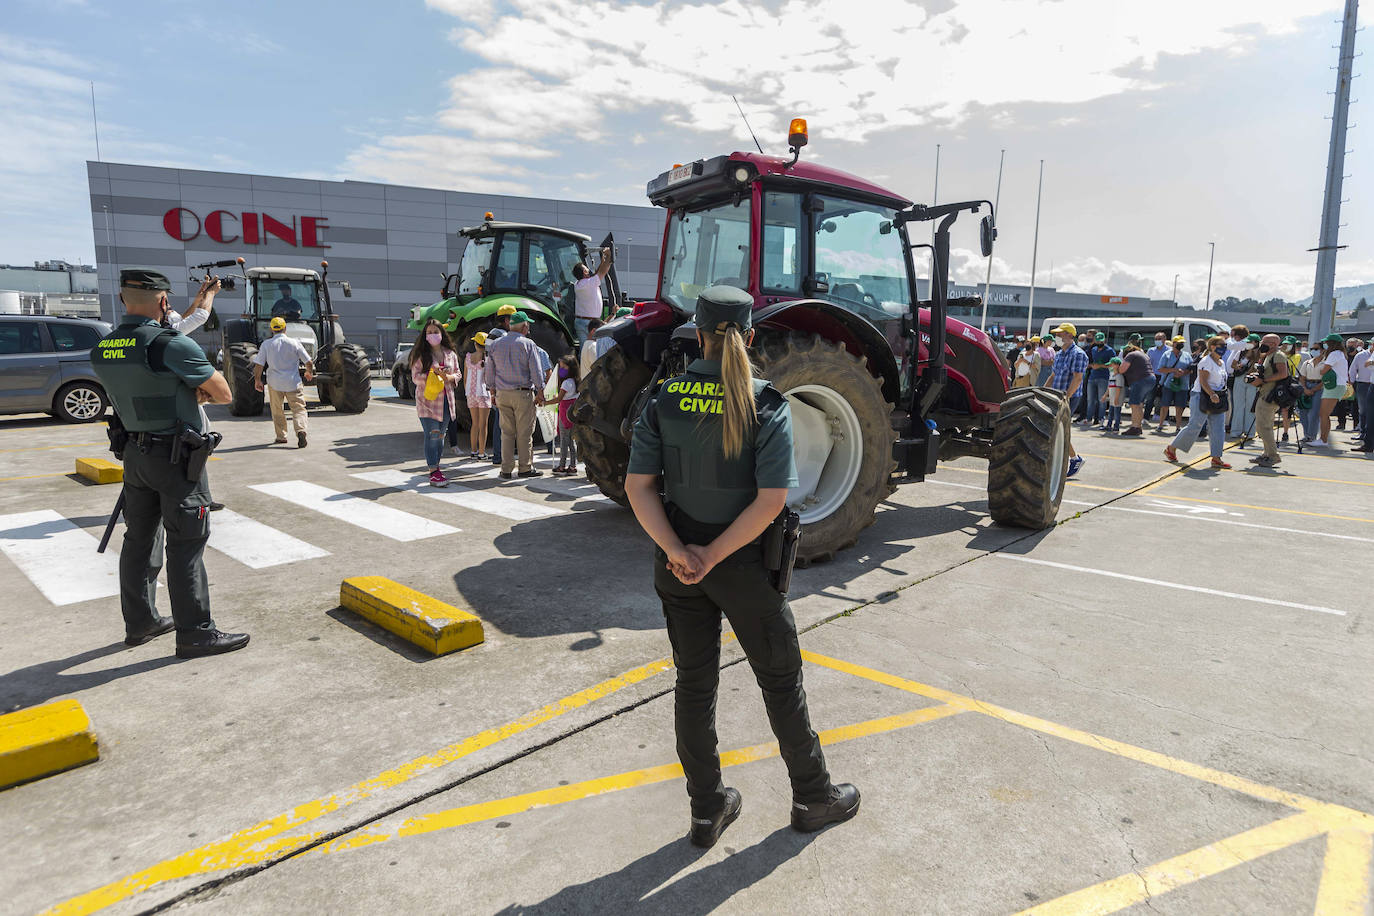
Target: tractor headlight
(742, 175)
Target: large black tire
(793, 360)
(248, 399)
(552, 340)
(1029, 460)
(603, 400)
(352, 373)
(405, 388)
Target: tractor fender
(488, 306)
(859, 336)
(238, 330)
(447, 312)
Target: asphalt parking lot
(1164, 703)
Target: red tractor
(829, 259)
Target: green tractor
(343, 376)
(529, 267)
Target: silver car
(45, 366)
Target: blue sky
(1164, 124)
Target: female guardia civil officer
(722, 442)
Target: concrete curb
(43, 740)
(429, 623)
(100, 470)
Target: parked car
(374, 359)
(45, 366)
(400, 373)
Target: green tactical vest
(697, 477)
(146, 400)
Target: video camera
(226, 282)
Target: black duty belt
(146, 440)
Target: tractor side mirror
(817, 284)
(885, 227)
(987, 234)
(347, 290)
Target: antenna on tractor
(746, 124)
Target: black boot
(840, 806)
(210, 641)
(706, 830)
(163, 625)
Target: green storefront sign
(1282, 322)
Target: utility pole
(1207, 302)
(1174, 300)
(1324, 290)
(996, 214)
(1035, 249)
(95, 121)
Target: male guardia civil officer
(156, 379)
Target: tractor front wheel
(247, 400)
(352, 378)
(1029, 458)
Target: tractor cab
(290, 293)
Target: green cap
(1114, 359)
(1100, 336)
(718, 307)
(519, 318)
(623, 311)
(1135, 337)
(139, 278)
(1333, 337)
(1254, 337)
(1290, 339)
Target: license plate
(681, 173)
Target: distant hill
(1347, 297)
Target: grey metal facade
(392, 243)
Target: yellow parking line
(558, 795)
(1218, 502)
(37, 476)
(1285, 476)
(45, 448)
(1344, 888)
(1119, 458)
(250, 845)
(1139, 886)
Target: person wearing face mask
(1271, 369)
(1348, 409)
(1155, 355)
(1210, 384)
(1335, 371)
(568, 378)
(1174, 368)
(1027, 366)
(1362, 371)
(1289, 348)
(1066, 375)
(435, 371)
(1242, 394)
(1046, 354)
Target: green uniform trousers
(158, 497)
(740, 589)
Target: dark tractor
(343, 375)
(526, 266)
(881, 383)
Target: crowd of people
(1238, 385)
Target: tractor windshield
(859, 252)
(473, 267)
(706, 248)
(294, 300)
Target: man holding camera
(156, 378)
(201, 306)
(1272, 369)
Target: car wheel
(79, 402)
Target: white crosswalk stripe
(517, 510)
(256, 545)
(383, 520)
(58, 557)
(580, 489)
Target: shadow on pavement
(44, 681)
(382, 449)
(632, 888)
(384, 638)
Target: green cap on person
(1290, 339)
(140, 278)
(1100, 336)
(1114, 359)
(519, 318)
(1333, 337)
(719, 307)
(1254, 338)
(623, 311)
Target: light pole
(1035, 249)
(1174, 300)
(1207, 303)
(996, 214)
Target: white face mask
(1249, 345)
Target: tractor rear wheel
(603, 401)
(247, 400)
(352, 374)
(1029, 458)
(548, 337)
(842, 438)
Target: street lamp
(1207, 303)
(1175, 299)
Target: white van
(1119, 330)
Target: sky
(1163, 124)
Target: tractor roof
(491, 226)
(710, 177)
(296, 274)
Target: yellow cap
(1066, 328)
(506, 310)
(278, 323)
(480, 338)
(1180, 339)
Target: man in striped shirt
(516, 374)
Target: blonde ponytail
(737, 378)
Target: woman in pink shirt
(478, 395)
(1046, 361)
(433, 351)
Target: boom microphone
(234, 262)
